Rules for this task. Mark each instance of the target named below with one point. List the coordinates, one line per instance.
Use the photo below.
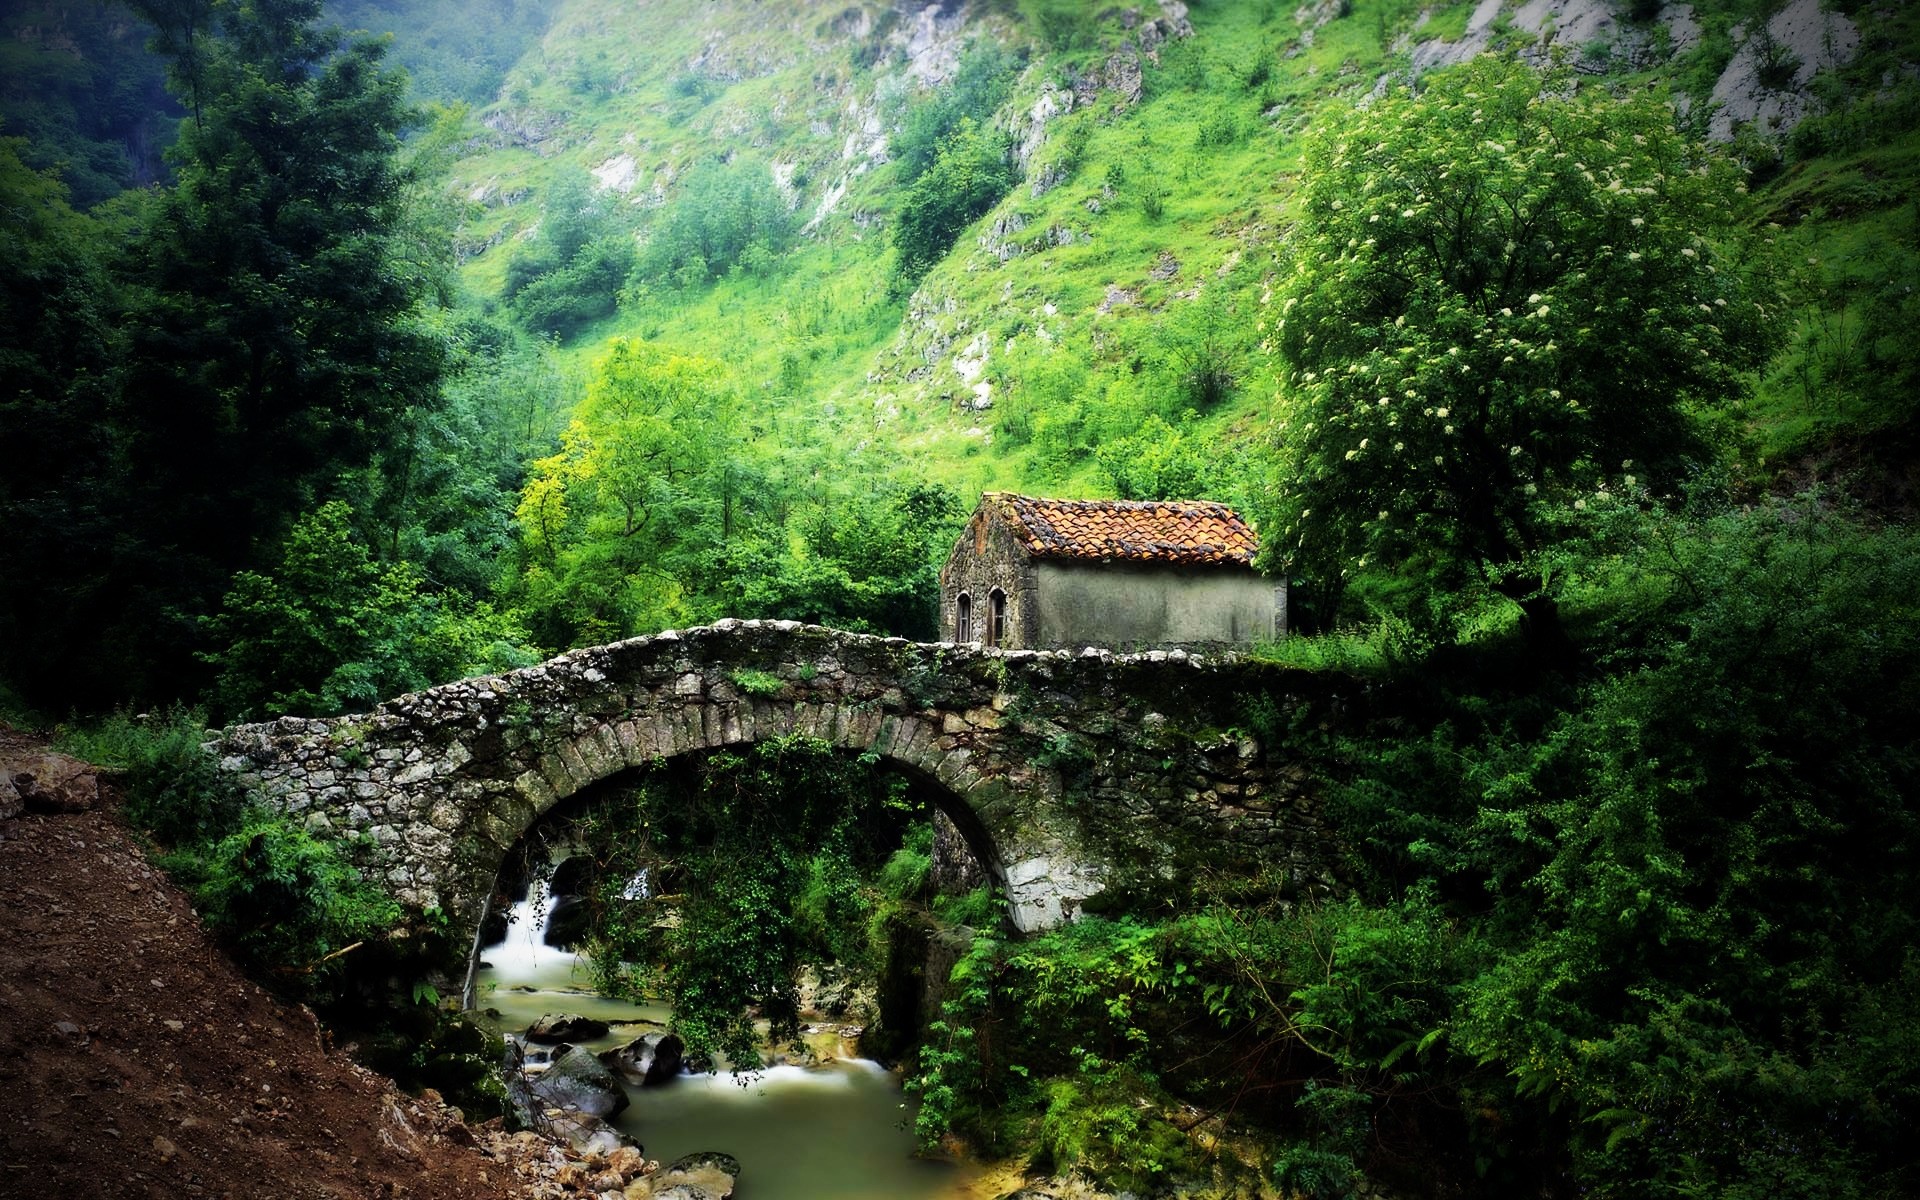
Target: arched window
(996, 617)
(963, 618)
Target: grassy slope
(834, 358)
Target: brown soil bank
(137, 1061)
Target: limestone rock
(578, 1081)
(48, 783)
(707, 1175)
(669, 1058)
(554, 1028)
(649, 1060)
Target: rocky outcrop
(706, 1175)
(577, 1081)
(650, 1060)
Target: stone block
(613, 755)
(953, 765)
(536, 788)
(626, 735)
(863, 726)
(578, 774)
(554, 771)
(594, 757)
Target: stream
(836, 1132)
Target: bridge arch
(1069, 772)
(909, 746)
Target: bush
(722, 216)
(288, 905)
(968, 176)
(174, 790)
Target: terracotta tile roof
(1191, 532)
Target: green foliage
(981, 83)
(869, 563)
(1502, 299)
(723, 216)
(1690, 879)
(968, 175)
(78, 83)
(1158, 463)
(58, 355)
(288, 905)
(455, 51)
(172, 788)
(573, 272)
(330, 629)
(756, 683)
(768, 857)
(907, 874)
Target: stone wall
(987, 558)
(1069, 774)
(1123, 605)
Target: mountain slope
(1118, 281)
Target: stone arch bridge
(1069, 773)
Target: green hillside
(1120, 277)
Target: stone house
(1030, 573)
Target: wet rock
(669, 1058)
(554, 1028)
(707, 1175)
(578, 1082)
(648, 1060)
(568, 923)
(588, 1136)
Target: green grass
(820, 347)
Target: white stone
(1045, 891)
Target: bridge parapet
(1070, 773)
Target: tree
(642, 486)
(1504, 295)
(968, 176)
(57, 360)
(275, 295)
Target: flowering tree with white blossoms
(1505, 295)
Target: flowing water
(836, 1132)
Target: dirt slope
(136, 1061)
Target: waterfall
(525, 953)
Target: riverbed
(838, 1131)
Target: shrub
(173, 789)
(288, 905)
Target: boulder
(578, 1081)
(554, 1028)
(669, 1057)
(48, 783)
(649, 1060)
(707, 1175)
